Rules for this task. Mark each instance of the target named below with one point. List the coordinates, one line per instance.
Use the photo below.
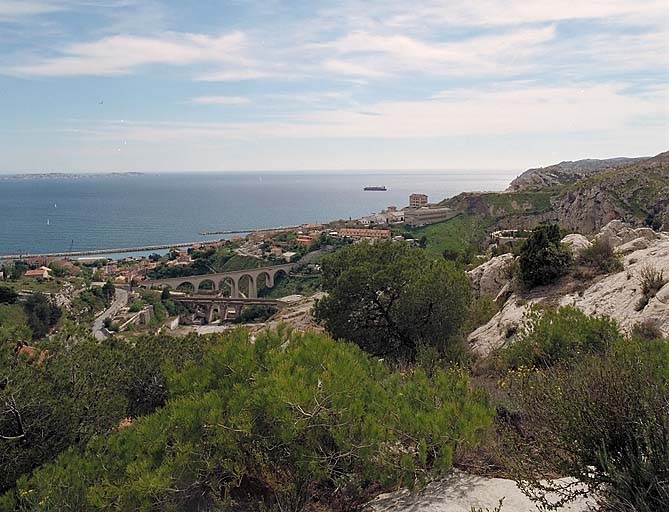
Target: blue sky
(150, 85)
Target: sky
(148, 85)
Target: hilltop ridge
(579, 196)
(567, 172)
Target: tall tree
(390, 298)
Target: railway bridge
(226, 307)
(223, 281)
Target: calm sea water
(99, 212)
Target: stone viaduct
(218, 282)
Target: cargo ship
(379, 189)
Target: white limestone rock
(490, 277)
(577, 243)
(460, 491)
(615, 295)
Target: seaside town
(130, 306)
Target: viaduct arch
(216, 282)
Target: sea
(55, 214)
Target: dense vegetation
(543, 258)
(391, 299)
(283, 423)
(602, 420)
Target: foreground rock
(490, 277)
(616, 295)
(459, 492)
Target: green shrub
(543, 258)
(600, 255)
(389, 298)
(553, 336)
(603, 421)
(280, 424)
(7, 295)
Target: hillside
(635, 190)
(567, 172)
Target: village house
(39, 273)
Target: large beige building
(416, 217)
(365, 234)
(417, 200)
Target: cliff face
(567, 172)
(582, 198)
(631, 193)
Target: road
(120, 300)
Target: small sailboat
(55, 205)
(48, 222)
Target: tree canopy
(543, 258)
(389, 298)
(279, 423)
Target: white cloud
(373, 55)
(220, 100)
(517, 12)
(521, 108)
(234, 75)
(120, 54)
(15, 9)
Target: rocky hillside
(631, 193)
(618, 295)
(635, 190)
(567, 172)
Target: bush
(280, 424)
(543, 258)
(549, 337)
(647, 330)
(7, 295)
(604, 422)
(651, 281)
(389, 298)
(42, 314)
(600, 255)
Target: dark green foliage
(280, 424)
(7, 295)
(108, 291)
(42, 314)
(543, 258)
(603, 421)
(256, 313)
(18, 269)
(601, 256)
(69, 395)
(553, 336)
(389, 298)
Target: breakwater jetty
(242, 231)
(92, 252)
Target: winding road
(120, 300)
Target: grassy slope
(456, 234)
(242, 263)
(12, 315)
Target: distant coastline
(66, 175)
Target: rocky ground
(616, 295)
(459, 492)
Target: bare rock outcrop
(490, 277)
(459, 492)
(577, 243)
(618, 295)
